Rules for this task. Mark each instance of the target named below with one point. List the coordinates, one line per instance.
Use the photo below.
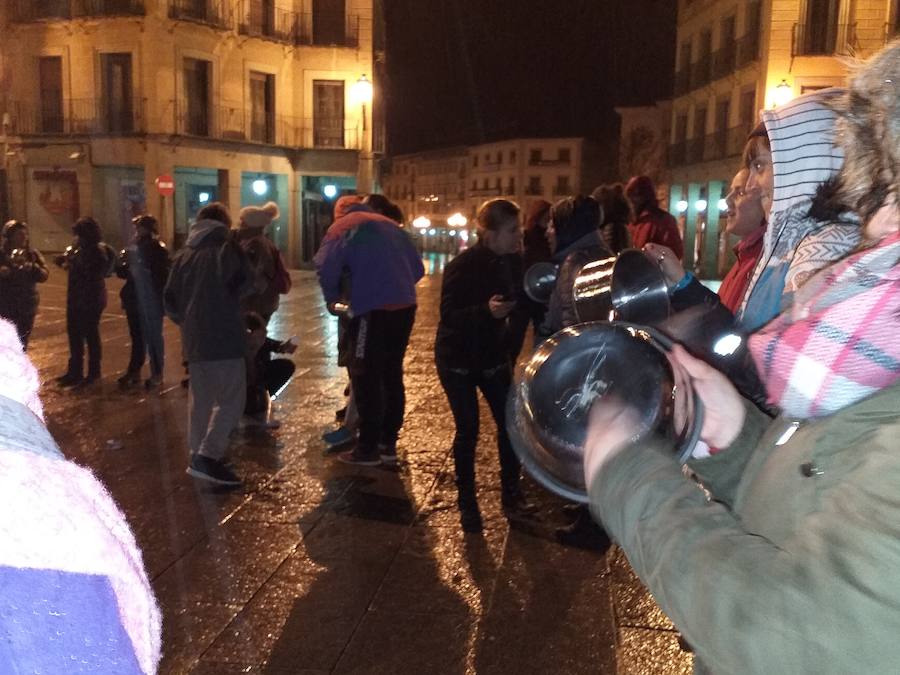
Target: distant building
(441, 183)
(239, 101)
(644, 143)
(735, 57)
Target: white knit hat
(258, 217)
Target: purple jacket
(382, 263)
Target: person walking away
(575, 239)
(144, 265)
(383, 267)
(270, 276)
(22, 268)
(616, 216)
(651, 224)
(266, 377)
(472, 354)
(89, 261)
(202, 296)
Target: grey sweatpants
(218, 391)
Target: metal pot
(627, 288)
(540, 280)
(553, 394)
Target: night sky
(470, 71)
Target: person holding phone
(472, 353)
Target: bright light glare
(203, 197)
(783, 93)
(723, 205)
(700, 205)
(260, 187)
(727, 344)
(362, 90)
(681, 205)
(457, 220)
(330, 191)
(464, 235)
(452, 233)
(432, 231)
(421, 222)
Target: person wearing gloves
(208, 278)
(575, 238)
(76, 596)
(270, 277)
(22, 268)
(378, 260)
(788, 560)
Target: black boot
(514, 503)
(583, 533)
(469, 513)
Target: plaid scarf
(840, 342)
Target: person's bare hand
(500, 307)
(668, 262)
(610, 426)
(723, 407)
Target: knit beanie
(258, 217)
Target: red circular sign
(166, 185)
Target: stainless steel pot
(579, 367)
(540, 280)
(627, 288)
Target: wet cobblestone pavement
(317, 567)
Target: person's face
(745, 210)
(506, 239)
(635, 198)
(19, 238)
(761, 177)
(886, 221)
(140, 233)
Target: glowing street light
(421, 223)
(330, 191)
(723, 205)
(783, 94)
(681, 205)
(700, 205)
(260, 187)
(362, 94)
(457, 220)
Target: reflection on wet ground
(317, 567)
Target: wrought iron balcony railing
(210, 12)
(748, 49)
(737, 139)
(265, 20)
(329, 30)
(700, 71)
(683, 81)
(40, 10)
(822, 40)
(694, 154)
(724, 60)
(677, 153)
(714, 145)
(78, 116)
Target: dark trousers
(462, 393)
(83, 326)
(276, 375)
(145, 328)
(379, 344)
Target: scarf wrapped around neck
(840, 342)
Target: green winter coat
(794, 567)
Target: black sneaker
(212, 470)
(359, 458)
(470, 519)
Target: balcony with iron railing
(694, 150)
(264, 20)
(822, 40)
(748, 49)
(233, 123)
(328, 30)
(677, 154)
(700, 71)
(714, 145)
(485, 192)
(682, 81)
(534, 190)
(723, 60)
(213, 13)
(39, 10)
(737, 139)
(78, 116)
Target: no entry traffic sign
(165, 184)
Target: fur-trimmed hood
(868, 133)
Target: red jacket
(735, 283)
(655, 226)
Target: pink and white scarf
(841, 340)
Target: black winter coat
(468, 336)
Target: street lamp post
(362, 93)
